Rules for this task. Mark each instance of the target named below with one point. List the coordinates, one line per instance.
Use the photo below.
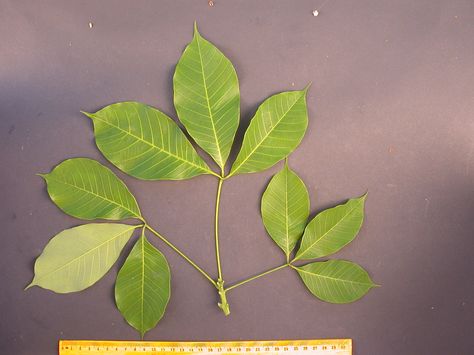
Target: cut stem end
(223, 304)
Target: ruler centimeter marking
(277, 347)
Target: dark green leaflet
(285, 209)
(145, 143)
(207, 98)
(332, 229)
(336, 281)
(84, 188)
(274, 132)
(142, 289)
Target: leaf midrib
(334, 278)
(152, 145)
(327, 232)
(265, 136)
(209, 104)
(99, 196)
(286, 216)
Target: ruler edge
(346, 341)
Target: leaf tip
(196, 32)
(90, 115)
(305, 90)
(32, 283)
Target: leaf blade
(274, 132)
(68, 262)
(336, 281)
(142, 288)
(85, 189)
(145, 143)
(332, 229)
(207, 108)
(285, 209)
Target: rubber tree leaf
(142, 289)
(336, 281)
(77, 258)
(145, 143)
(274, 132)
(332, 229)
(285, 209)
(207, 98)
(84, 188)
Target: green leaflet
(84, 188)
(285, 209)
(274, 132)
(207, 98)
(77, 258)
(336, 281)
(142, 289)
(332, 229)
(145, 143)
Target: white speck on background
(427, 206)
(91, 25)
(315, 13)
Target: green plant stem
(180, 253)
(257, 276)
(216, 228)
(223, 304)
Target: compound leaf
(336, 281)
(145, 143)
(84, 188)
(77, 258)
(207, 98)
(332, 229)
(285, 209)
(142, 289)
(274, 132)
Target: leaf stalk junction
(223, 304)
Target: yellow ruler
(277, 347)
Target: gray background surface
(391, 111)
